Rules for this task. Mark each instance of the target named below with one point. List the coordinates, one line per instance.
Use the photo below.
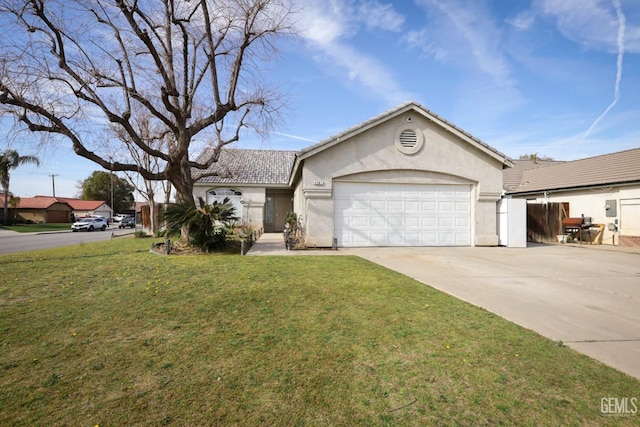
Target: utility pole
(53, 182)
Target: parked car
(89, 224)
(127, 221)
(119, 217)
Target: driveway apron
(585, 297)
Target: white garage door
(402, 214)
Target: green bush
(206, 225)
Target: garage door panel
(462, 222)
(445, 207)
(396, 206)
(412, 206)
(377, 222)
(429, 206)
(413, 222)
(402, 214)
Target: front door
(276, 210)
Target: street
(20, 242)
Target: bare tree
(72, 69)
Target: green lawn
(109, 334)
(35, 228)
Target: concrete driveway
(587, 297)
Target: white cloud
(465, 33)
(328, 28)
(377, 15)
(523, 21)
(422, 41)
(592, 23)
(621, 49)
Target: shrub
(206, 225)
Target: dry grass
(111, 334)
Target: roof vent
(409, 140)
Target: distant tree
(14, 202)
(101, 185)
(535, 157)
(10, 159)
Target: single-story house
(604, 188)
(41, 210)
(82, 208)
(47, 209)
(404, 178)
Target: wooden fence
(544, 221)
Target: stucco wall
(444, 158)
(591, 203)
(253, 198)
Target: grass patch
(37, 228)
(108, 333)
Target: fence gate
(544, 221)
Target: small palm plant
(206, 225)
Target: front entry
(275, 212)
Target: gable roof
(84, 205)
(615, 168)
(38, 202)
(247, 166)
(512, 177)
(401, 109)
(44, 202)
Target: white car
(119, 217)
(89, 224)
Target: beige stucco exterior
(592, 202)
(371, 154)
(253, 201)
(407, 145)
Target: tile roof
(84, 205)
(607, 169)
(245, 166)
(44, 202)
(512, 177)
(411, 105)
(39, 202)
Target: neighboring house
(404, 178)
(82, 208)
(42, 210)
(47, 209)
(605, 188)
(512, 177)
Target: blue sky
(554, 77)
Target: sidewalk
(273, 244)
(4, 232)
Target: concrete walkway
(588, 299)
(273, 244)
(586, 296)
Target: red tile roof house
(82, 208)
(47, 209)
(42, 210)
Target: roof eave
(428, 114)
(574, 188)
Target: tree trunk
(6, 207)
(179, 175)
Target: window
(234, 196)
